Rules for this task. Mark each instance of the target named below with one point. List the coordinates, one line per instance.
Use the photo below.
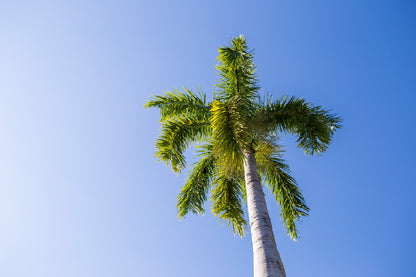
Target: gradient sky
(81, 193)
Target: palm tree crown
(237, 121)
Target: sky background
(81, 193)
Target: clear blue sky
(81, 194)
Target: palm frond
(313, 125)
(176, 135)
(235, 55)
(229, 134)
(176, 103)
(194, 193)
(237, 72)
(283, 186)
(226, 202)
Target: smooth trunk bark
(267, 262)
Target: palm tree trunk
(267, 262)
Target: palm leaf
(283, 186)
(237, 72)
(194, 193)
(177, 103)
(313, 125)
(176, 135)
(226, 202)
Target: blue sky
(81, 193)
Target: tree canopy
(238, 120)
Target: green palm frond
(236, 55)
(176, 135)
(226, 202)
(313, 125)
(283, 186)
(194, 193)
(177, 103)
(229, 134)
(237, 71)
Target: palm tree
(236, 136)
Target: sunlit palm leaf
(226, 198)
(177, 103)
(313, 125)
(236, 68)
(176, 136)
(283, 186)
(194, 193)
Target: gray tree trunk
(267, 262)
